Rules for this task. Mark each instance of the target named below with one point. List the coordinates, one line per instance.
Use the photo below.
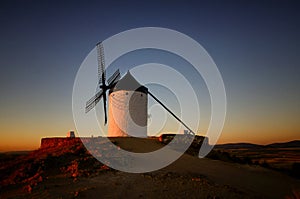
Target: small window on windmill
(141, 95)
(126, 93)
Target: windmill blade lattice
(114, 77)
(93, 101)
(101, 63)
(90, 104)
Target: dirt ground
(188, 177)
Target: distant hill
(238, 146)
(291, 144)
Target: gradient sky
(255, 45)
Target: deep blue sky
(255, 44)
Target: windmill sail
(90, 104)
(101, 63)
(115, 77)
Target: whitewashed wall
(127, 114)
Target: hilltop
(70, 171)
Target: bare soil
(78, 175)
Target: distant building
(71, 134)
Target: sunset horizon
(255, 54)
(36, 145)
(169, 99)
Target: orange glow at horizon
(22, 131)
(16, 141)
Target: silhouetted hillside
(69, 171)
(291, 144)
(238, 146)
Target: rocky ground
(71, 172)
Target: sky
(255, 45)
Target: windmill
(127, 101)
(90, 104)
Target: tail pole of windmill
(177, 118)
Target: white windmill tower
(128, 102)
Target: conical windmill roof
(128, 83)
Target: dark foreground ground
(71, 172)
